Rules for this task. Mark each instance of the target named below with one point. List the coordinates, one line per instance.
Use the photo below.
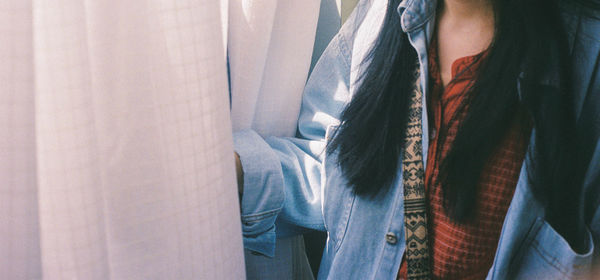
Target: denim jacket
(291, 183)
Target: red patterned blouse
(466, 251)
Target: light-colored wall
(347, 8)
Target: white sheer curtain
(115, 141)
(270, 43)
(270, 47)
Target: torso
(466, 250)
(527, 245)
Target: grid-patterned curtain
(116, 157)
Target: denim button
(391, 238)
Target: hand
(240, 175)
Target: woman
(450, 139)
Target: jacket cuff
(263, 244)
(263, 194)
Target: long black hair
(370, 137)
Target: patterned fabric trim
(413, 178)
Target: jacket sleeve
(590, 121)
(594, 182)
(586, 55)
(282, 176)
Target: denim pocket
(338, 198)
(547, 255)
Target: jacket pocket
(547, 255)
(338, 198)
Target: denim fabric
(293, 181)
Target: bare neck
(467, 10)
(464, 27)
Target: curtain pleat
(116, 157)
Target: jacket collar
(415, 13)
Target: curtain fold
(116, 157)
(270, 47)
(270, 44)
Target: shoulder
(582, 23)
(583, 30)
(359, 33)
(362, 18)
